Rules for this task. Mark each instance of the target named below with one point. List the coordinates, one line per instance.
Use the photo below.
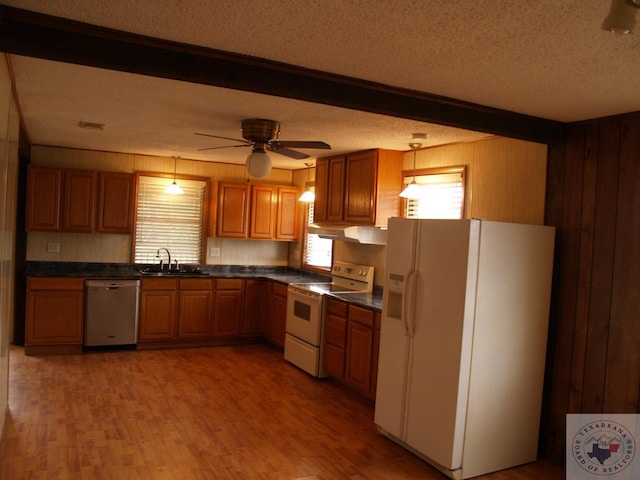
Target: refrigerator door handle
(410, 304)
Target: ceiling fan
(262, 135)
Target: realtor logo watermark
(602, 446)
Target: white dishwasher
(111, 312)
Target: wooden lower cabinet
(195, 308)
(335, 338)
(254, 303)
(351, 346)
(55, 312)
(158, 309)
(278, 314)
(229, 297)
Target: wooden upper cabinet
(78, 206)
(233, 210)
(360, 188)
(329, 202)
(257, 211)
(44, 187)
(321, 190)
(263, 211)
(115, 202)
(335, 197)
(287, 213)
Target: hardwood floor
(202, 413)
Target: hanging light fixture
(308, 195)
(174, 188)
(413, 191)
(622, 17)
(258, 162)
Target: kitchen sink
(156, 272)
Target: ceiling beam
(53, 38)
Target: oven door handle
(309, 296)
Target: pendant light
(174, 188)
(308, 195)
(413, 191)
(621, 19)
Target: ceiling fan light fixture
(258, 163)
(622, 17)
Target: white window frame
(444, 190)
(180, 222)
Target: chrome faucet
(168, 255)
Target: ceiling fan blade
(303, 144)
(224, 138)
(226, 146)
(287, 152)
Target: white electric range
(304, 338)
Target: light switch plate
(53, 247)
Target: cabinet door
(335, 337)
(321, 190)
(253, 317)
(79, 199)
(376, 355)
(194, 317)
(43, 199)
(335, 199)
(157, 315)
(360, 188)
(278, 314)
(233, 210)
(115, 202)
(228, 301)
(287, 216)
(263, 211)
(359, 349)
(55, 311)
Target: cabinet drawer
(55, 283)
(159, 284)
(279, 289)
(360, 315)
(335, 331)
(229, 284)
(196, 284)
(335, 307)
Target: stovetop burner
(346, 278)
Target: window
(175, 222)
(442, 193)
(317, 251)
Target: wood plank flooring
(203, 413)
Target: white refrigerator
(463, 341)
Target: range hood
(351, 233)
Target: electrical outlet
(53, 247)
(214, 252)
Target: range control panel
(351, 271)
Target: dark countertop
(284, 275)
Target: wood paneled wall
(593, 198)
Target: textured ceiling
(548, 59)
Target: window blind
(171, 221)
(318, 251)
(442, 196)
